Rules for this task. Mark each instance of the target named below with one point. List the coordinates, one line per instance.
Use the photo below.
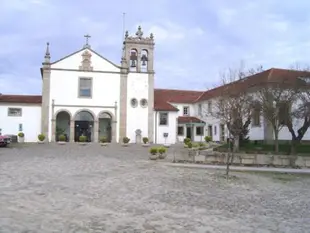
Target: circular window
(134, 102)
(143, 103)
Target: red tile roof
(271, 76)
(164, 97)
(189, 119)
(23, 99)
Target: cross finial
(86, 43)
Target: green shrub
(62, 138)
(145, 140)
(208, 138)
(126, 140)
(153, 150)
(189, 145)
(162, 150)
(195, 145)
(103, 139)
(82, 138)
(21, 134)
(41, 137)
(187, 140)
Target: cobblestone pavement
(72, 188)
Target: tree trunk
(276, 141)
(236, 143)
(294, 144)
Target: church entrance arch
(63, 118)
(105, 125)
(84, 125)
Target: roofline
(61, 59)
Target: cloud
(193, 41)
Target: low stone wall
(212, 157)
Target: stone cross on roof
(139, 33)
(86, 43)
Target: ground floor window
(163, 118)
(180, 130)
(199, 130)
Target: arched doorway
(84, 125)
(105, 125)
(63, 124)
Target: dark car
(4, 140)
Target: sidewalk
(239, 168)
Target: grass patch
(253, 148)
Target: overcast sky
(195, 39)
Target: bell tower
(138, 73)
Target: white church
(86, 94)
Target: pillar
(53, 139)
(72, 130)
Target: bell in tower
(133, 58)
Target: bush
(162, 150)
(126, 140)
(21, 134)
(41, 137)
(145, 140)
(195, 145)
(208, 138)
(186, 140)
(82, 138)
(189, 145)
(62, 138)
(153, 150)
(103, 139)
(201, 144)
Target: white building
(84, 93)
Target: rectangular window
(199, 130)
(163, 118)
(256, 118)
(180, 130)
(284, 113)
(20, 127)
(85, 87)
(14, 112)
(209, 107)
(199, 109)
(185, 111)
(215, 130)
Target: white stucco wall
(30, 120)
(65, 86)
(171, 129)
(137, 117)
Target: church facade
(86, 94)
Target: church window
(180, 130)
(163, 118)
(14, 112)
(209, 107)
(134, 102)
(143, 103)
(85, 87)
(199, 109)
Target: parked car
(4, 140)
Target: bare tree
(233, 105)
(275, 98)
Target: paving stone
(72, 188)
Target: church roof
(23, 99)
(189, 119)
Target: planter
(247, 159)
(146, 144)
(162, 156)
(40, 142)
(167, 145)
(61, 143)
(125, 144)
(153, 157)
(103, 144)
(21, 139)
